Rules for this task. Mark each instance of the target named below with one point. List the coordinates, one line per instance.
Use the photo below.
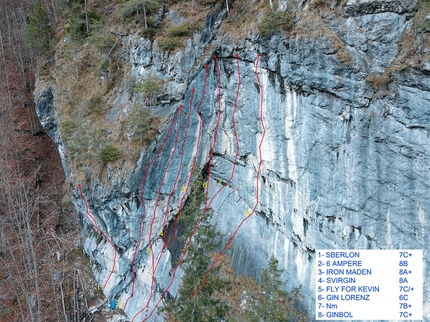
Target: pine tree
(221, 298)
(150, 86)
(135, 6)
(270, 303)
(204, 306)
(77, 26)
(39, 31)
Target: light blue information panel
(369, 284)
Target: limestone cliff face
(344, 165)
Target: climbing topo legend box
(369, 284)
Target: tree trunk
(55, 11)
(86, 18)
(76, 64)
(36, 271)
(62, 301)
(144, 16)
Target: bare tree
(86, 17)
(26, 214)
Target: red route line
(157, 202)
(154, 270)
(215, 138)
(177, 175)
(257, 186)
(202, 216)
(182, 199)
(207, 187)
(193, 164)
(176, 181)
(235, 135)
(144, 207)
(101, 232)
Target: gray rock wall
(343, 167)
